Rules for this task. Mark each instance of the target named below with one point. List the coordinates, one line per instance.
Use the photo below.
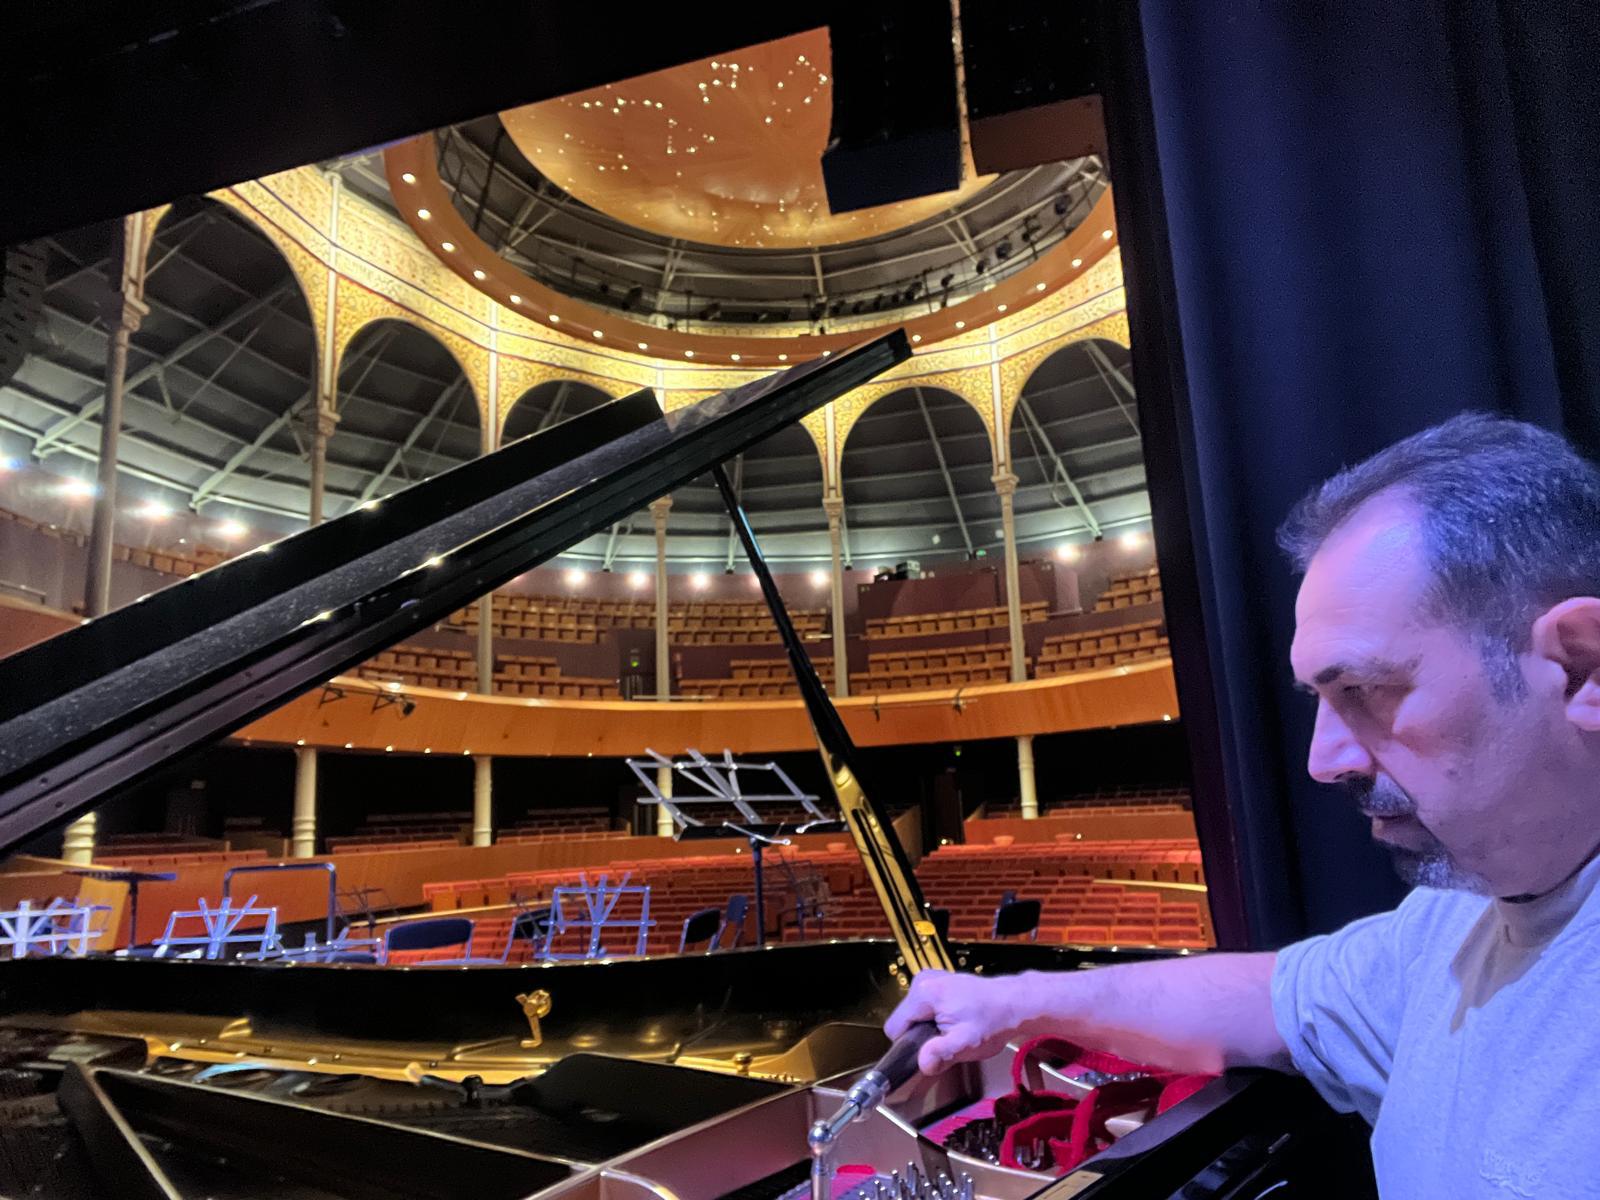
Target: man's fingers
(940, 1052)
(917, 1006)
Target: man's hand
(975, 1015)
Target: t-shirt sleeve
(1338, 1000)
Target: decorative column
(1005, 484)
(482, 800)
(124, 309)
(320, 423)
(833, 505)
(486, 603)
(303, 829)
(658, 511)
(1027, 790)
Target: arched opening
(916, 476)
(1076, 449)
(406, 413)
(548, 404)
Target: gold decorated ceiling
(726, 151)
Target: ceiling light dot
(783, 358)
(1077, 262)
(1038, 287)
(916, 337)
(825, 353)
(688, 353)
(408, 176)
(961, 324)
(644, 345)
(479, 275)
(516, 299)
(735, 357)
(598, 334)
(447, 247)
(423, 214)
(1001, 307)
(555, 319)
(1106, 233)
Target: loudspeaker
(21, 304)
(1033, 80)
(896, 130)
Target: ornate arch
(356, 307)
(309, 274)
(1016, 371)
(519, 376)
(970, 385)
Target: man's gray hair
(1510, 517)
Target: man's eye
(1354, 691)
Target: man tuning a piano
(1448, 629)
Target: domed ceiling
(726, 151)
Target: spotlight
(981, 265)
(1131, 541)
(1061, 205)
(1067, 553)
(637, 579)
(574, 577)
(635, 294)
(232, 529)
(819, 578)
(946, 280)
(77, 489)
(913, 289)
(699, 581)
(1003, 250)
(153, 510)
(817, 310)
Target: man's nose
(1336, 753)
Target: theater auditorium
(538, 595)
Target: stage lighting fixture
(981, 265)
(1003, 250)
(635, 294)
(1061, 206)
(946, 280)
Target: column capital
(834, 506)
(124, 311)
(659, 509)
(1005, 482)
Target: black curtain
(1341, 222)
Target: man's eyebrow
(1371, 668)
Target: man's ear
(1569, 636)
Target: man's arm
(1189, 1014)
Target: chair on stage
(1017, 918)
(733, 920)
(436, 933)
(703, 926)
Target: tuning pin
(966, 1187)
(897, 1189)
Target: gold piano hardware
(535, 1005)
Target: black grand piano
(692, 1076)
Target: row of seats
(187, 561)
(1065, 653)
(155, 860)
(963, 620)
(1130, 588)
(515, 675)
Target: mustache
(1382, 797)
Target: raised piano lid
(96, 708)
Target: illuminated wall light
(478, 275)
(644, 345)
(1038, 287)
(424, 215)
(77, 489)
(299, 741)
(447, 247)
(555, 319)
(1067, 553)
(349, 745)
(700, 581)
(961, 324)
(516, 299)
(152, 510)
(1000, 307)
(826, 353)
(388, 749)
(1131, 541)
(916, 337)
(598, 335)
(735, 357)
(1077, 262)
(1106, 233)
(783, 358)
(688, 353)
(575, 577)
(408, 176)
(819, 578)
(232, 529)
(637, 579)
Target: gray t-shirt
(1467, 1031)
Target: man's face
(1465, 788)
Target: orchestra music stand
(719, 783)
(133, 879)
